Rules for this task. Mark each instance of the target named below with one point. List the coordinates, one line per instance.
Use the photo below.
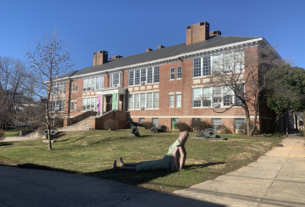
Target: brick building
(165, 85)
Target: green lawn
(93, 152)
(11, 133)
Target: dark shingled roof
(161, 53)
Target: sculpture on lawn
(134, 128)
(210, 134)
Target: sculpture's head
(183, 137)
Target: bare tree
(12, 93)
(49, 58)
(241, 73)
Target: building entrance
(108, 103)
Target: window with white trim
(171, 101)
(216, 122)
(155, 121)
(115, 80)
(178, 100)
(238, 122)
(220, 95)
(147, 100)
(89, 104)
(58, 88)
(217, 64)
(197, 67)
(172, 73)
(141, 120)
(92, 83)
(179, 72)
(148, 75)
(57, 105)
(72, 106)
(240, 89)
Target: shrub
(148, 125)
(111, 124)
(243, 129)
(42, 128)
(224, 129)
(2, 132)
(200, 125)
(182, 126)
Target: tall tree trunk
(296, 121)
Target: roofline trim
(161, 61)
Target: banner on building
(114, 101)
(98, 102)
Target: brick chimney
(115, 57)
(214, 33)
(148, 49)
(160, 46)
(100, 57)
(197, 32)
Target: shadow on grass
(6, 143)
(190, 167)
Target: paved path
(275, 179)
(17, 139)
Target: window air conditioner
(143, 82)
(115, 85)
(142, 108)
(216, 105)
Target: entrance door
(108, 103)
(174, 121)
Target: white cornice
(172, 59)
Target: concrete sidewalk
(17, 139)
(275, 179)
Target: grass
(93, 152)
(11, 133)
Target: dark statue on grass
(134, 128)
(158, 130)
(210, 134)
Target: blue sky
(129, 27)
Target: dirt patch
(241, 156)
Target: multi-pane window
(137, 77)
(217, 64)
(206, 96)
(93, 83)
(74, 87)
(131, 78)
(143, 75)
(172, 73)
(141, 120)
(58, 88)
(156, 74)
(148, 75)
(155, 121)
(206, 65)
(220, 95)
(136, 101)
(171, 101)
(178, 100)
(130, 101)
(142, 100)
(89, 104)
(217, 94)
(146, 100)
(73, 106)
(115, 79)
(156, 100)
(57, 105)
(179, 71)
(196, 119)
(238, 122)
(216, 123)
(149, 100)
(222, 63)
(197, 67)
(197, 93)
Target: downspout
(107, 79)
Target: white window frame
(120, 79)
(178, 101)
(172, 72)
(146, 76)
(179, 73)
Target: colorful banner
(98, 102)
(114, 107)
